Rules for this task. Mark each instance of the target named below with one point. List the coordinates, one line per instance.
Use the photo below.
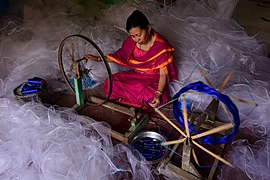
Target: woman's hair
(137, 19)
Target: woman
(149, 55)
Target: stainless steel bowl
(148, 143)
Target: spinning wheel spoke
(194, 92)
(214, 130)
(227, 112)
(170, 122)
(73, 66)
(243, 101)
(195, 157)
(185, 117)
(207, 80)
(212, 154)
(228, 77)
(167, 143)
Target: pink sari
(139, 85)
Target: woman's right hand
(156, 101)
(91, 57)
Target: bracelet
(98, 59)
(158, 92)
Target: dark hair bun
(137, 19)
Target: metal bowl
(148, 143)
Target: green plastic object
(110, 2)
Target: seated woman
(149, 55)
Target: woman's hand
(91, 57)
(156, 101)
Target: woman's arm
(161, 86)
(95, 58)
(162, 80)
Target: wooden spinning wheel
(74, 67)
(190, 135)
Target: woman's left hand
(91, 57)
(156, 101)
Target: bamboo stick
(213, 154)
(227, 112)
(244, 101)
(166, 143)
(185, 116)
(207, 80)
(195, 157)
(211, 4)
(170, 122)
(112, 106)
(225, 81)
(193, 92)
(214, 130)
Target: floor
(254, 17)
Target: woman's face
(139, 35)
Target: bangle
(98, 59)
(158, 92)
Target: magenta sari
(139, 85)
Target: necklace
(147, 45)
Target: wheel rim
(93, 74)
